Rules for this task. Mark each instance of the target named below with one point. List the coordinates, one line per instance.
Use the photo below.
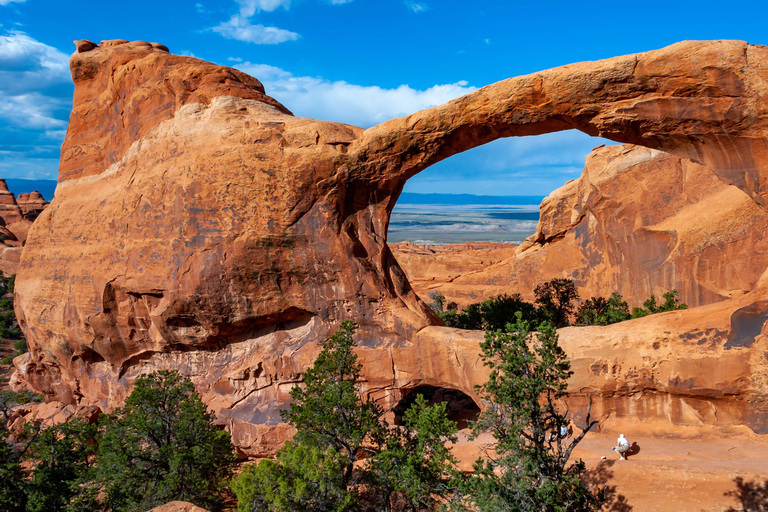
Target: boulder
(178, 506)
(199, 226)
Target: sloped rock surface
(199, 226)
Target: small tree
(601, 311)
(12, 496)
(62, 457)
(301, 478)
(438, 301)
(344, 455)
(493, 313)
(162, 446)
(329, 412)
(556, 300)
(529, 469)
(416, 467)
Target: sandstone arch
(198, 225)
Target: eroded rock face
(198, 225)
(638, 222)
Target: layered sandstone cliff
(199, 226)
(638, 222)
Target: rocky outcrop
(638, 222)
(17, 215)
(198, 225)
(32, 204)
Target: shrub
(556, 300)
(12, 497)
(344, 455)
(529, 470)
(10, 399)
(161, 446)
(438, 302)
(601, 311)
(493, 313)
(62, 456)
(670, 303)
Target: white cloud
(348, 103)
(7, 2)
(340, 2)
(249, 7)
(240, 28)
(416, 7)
(32, 110)
(19, 52)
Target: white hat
(621, 435)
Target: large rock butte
(199, 225)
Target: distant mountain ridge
(462, 199)
(19, 186)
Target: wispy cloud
(7, 2)
(240, 28)
(250, 7)
(416, 7)
(341, 101)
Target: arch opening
(490, 193)
(460, 407)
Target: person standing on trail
(622, 446)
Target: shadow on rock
(753, 495)
(599, 477)
(633, 450)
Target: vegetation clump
(10, 333)
(160, 446)
(556, 303)
(344, 455)
(527, 468)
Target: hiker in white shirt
(622, 446)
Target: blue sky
(354, 61)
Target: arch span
(200, 198)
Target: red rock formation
(637, 221)
(32, 204)
(200, 226)
(16, 217)
(14, 226)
